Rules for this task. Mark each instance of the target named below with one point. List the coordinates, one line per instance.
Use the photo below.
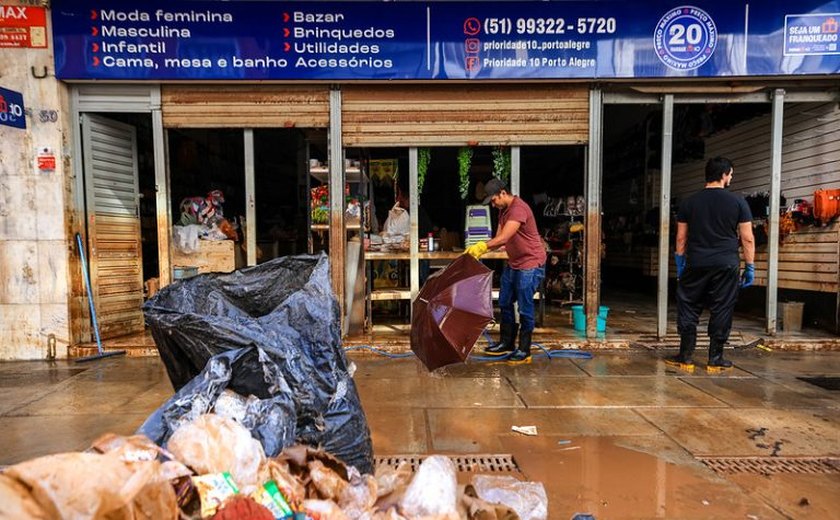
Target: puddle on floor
(618, 477)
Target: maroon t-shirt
(525, 248)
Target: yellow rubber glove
(476, 250)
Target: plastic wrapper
(528, 499)
(93, 486)
(269, 496)
(433, 491)
(284, 310)
(214, 444)
(213, 490)
(270, 420)
(16, 501)
(323, 510)
(290, 487)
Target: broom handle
(89, 293)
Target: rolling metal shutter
(457, 115)
(116, 263)
(252, 106)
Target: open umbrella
(451, 311)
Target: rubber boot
(522, 353)
(684, 360)
(716, 361)
(507, 340)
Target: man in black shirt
(710, 225)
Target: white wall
(34, 243)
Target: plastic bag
(93, 485)
(398, 222)
(287, 310)
(214, 444)
(528, 499)
(17, 502)
(433, 491)
(185, 238)
(219, 389)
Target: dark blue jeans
(520, 285)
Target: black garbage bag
(269, 414)
(286, 309)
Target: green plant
(501, 163)
(424, 157)
(465, 155)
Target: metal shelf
(390, 294)
(350, 174)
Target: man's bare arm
(745, 233)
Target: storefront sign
(809, 35)
(12, 112)
(23, 26)
(251, 40)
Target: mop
(101, 353)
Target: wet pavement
(618, 436)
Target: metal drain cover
(772, 465)
(500, 463)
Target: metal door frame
(776, 97)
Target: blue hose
(550, 354)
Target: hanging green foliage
(464, 162)
(501, 163)
(424, 157)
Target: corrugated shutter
(116, 262)
(808, 258)
(116, 98)
(252, 106)
(453, 115)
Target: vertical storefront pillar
(777, 120)
(414, 223)
(664, 217)
(515, 154)
(250, 206)
(162, 203)
(336, 173)
(592, 232)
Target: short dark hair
(716, 168)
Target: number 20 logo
(685, 38)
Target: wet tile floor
(619, 436)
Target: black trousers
(713, 287)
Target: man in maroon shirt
(522, 275)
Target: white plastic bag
(433, 491)
(528, 499)
(397, 222)
(213, 444)
(185, 238)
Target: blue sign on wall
(251, 40)
(12, 112)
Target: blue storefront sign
(265, 40)
(812, 34)
(12, 112)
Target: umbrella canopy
(451, 311)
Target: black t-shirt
(713, 215)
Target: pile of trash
(213, 468)
(266, 423)
(269, 334)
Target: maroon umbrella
(451, 311)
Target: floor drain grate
(772, 466)
(502, 463)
